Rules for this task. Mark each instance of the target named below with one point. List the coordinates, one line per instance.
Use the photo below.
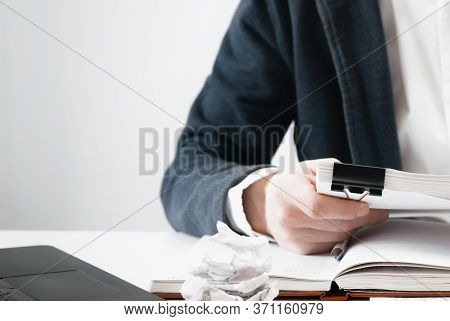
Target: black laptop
(44, 273)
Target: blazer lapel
(355, 35)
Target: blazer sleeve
(234, 126)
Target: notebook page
(400, 241)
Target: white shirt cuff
(235, 208)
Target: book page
(400, 241)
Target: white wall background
(68, 132)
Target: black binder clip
(358, 180)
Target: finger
(302, 194)
(310, 167)
(318, 206)
(310, 235)
(373, 218)
(376, 216)
(299, 220)
(312, 179)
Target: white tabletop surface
(137, 257)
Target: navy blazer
(321, 64)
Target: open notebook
(398, 255)
(385, 188)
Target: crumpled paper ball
(233, 268)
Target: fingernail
(362, 210)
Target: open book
(398, 255)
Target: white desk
(136, 257)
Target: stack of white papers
(402, 190)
